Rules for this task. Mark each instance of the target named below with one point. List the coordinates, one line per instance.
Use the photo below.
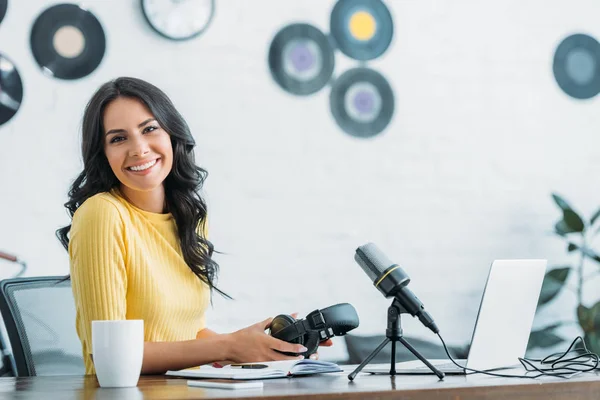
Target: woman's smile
(144, 168)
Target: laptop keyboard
(445, 366)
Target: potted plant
(577, 235)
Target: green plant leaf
(573, 220)
(592, 341)
(551, 327)
(571, 247)
(591, 254)
(586, 251)
(561, 228)
(543, 338)
(584, 317)
(595, 217)
(589, 318)
(553, 283)
(561, 202)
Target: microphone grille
(372, 260)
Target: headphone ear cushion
(279, 322)
(276, 328)
(311, 343)
(342, 318)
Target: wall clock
(178, 19)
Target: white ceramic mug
(118, 351)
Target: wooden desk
(327, 386)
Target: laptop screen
(506, 313)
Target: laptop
(503, 323)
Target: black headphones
(318, 326)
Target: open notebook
(273, 369)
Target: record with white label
(362, 29)
(11, 89)
(577, 66)
(362, 102)
(301, 59)
(3, 7)
(67, 41)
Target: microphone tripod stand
(393, 334)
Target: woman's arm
(204, 333)
(97, 265)
(160, 357)
(250, 344)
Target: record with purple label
(362, 102)
(301, 59)
(3, 7)
(67, 41)
(11, 89)
(577, 66)
(361, 29)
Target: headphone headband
(293, 331)
(335, 320)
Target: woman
(138, 243)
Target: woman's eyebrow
(113, 131)
(146, 122)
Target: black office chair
(39, 315)
(359, 348)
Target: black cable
(573, 367)
(568, 363)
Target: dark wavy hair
(182, 185)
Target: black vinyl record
(11, 89)
(67, 41)
(577, 66)
(3, 7)
(362, 102)
(362, 29)
(301, 59)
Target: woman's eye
(117, 139)
(150, 128)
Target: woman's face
(138, 150)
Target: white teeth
(143, 166)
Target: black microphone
(391, 280)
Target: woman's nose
(139, 148)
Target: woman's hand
(253, 344)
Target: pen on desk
(249, 366)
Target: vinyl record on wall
(362, 29)
(577, 66)
(301, 59)
(11, 89)
(362, 102)
(3, 7)
(67, 41)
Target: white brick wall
(480, 138)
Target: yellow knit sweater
(126, 263)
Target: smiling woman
(138, 246)
(139, 153)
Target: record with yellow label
(362, 29)
(67, 41)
